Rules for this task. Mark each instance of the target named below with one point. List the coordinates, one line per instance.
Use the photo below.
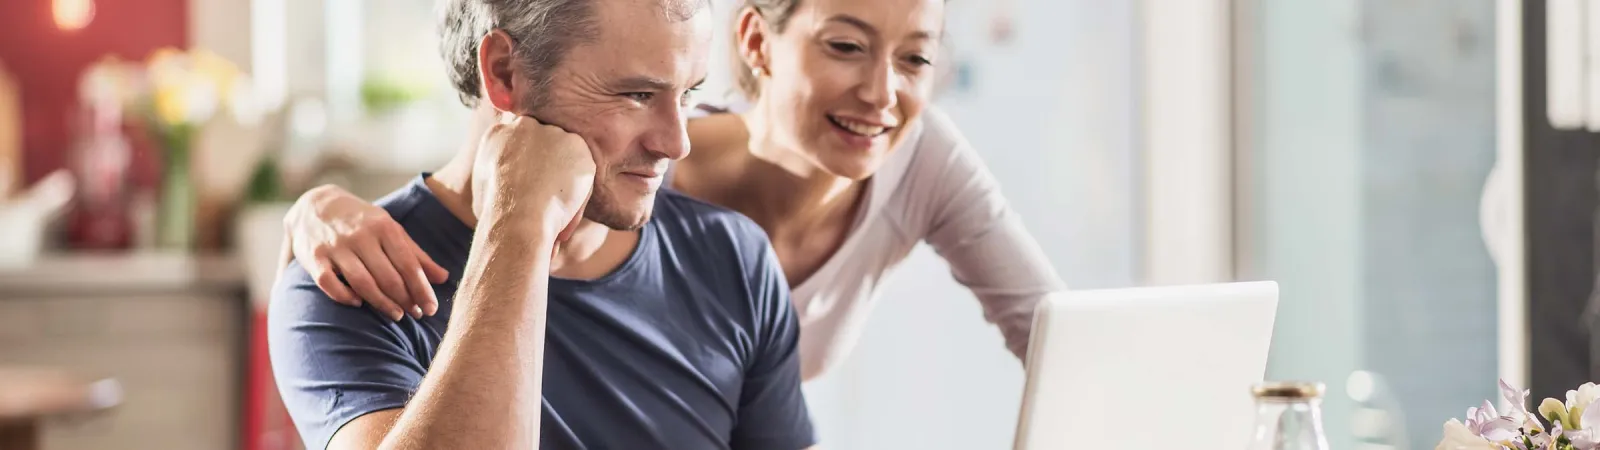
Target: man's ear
(752, 33)
(497, 71)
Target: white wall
(1304, 191)
(1187, 145)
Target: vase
(1288, 417)
(175, 217)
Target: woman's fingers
(385, 274)
(436, 273)
(416, 281)
(357, 276)
(327, 279)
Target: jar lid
(1288, 390)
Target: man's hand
(529, 183)
(526, 171)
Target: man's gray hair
(543, 32)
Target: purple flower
(1491, 425)
(1515, 398)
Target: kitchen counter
(170, 328)
(79, 274)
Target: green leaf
(266, 183)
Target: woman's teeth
(857, 127)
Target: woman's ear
(497, 71)
(752, 33)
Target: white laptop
(1147, 368)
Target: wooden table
(30, 396)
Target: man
(583, 309)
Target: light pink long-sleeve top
(933, 188)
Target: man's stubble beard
(600, 209)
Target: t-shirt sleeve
(772, 409)
(334, 363)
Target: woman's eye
(845, 47)
(918, 60)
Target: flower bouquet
(186, 90)
(171, 96)
(1572, 425)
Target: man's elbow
(365, 432)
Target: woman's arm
(356, 251)
(957, 208)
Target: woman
(838, 158)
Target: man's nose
(669, 134)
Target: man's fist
(530, 173)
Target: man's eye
(640, 97)
(688, 96)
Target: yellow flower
(213, 64)
(1554, 411)
(220, 71)
(171, 105)
(190, 87)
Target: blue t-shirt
(689, 344)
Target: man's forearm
(483, 389)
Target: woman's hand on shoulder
(355, 251)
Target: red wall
(47, 61)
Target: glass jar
(101, 162)
(1288, 417)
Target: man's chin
(620, 219)
(632, 225)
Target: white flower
(1587, 436)
(242, 102)
(101, 84)
(1583, 396)
(202, 100)
(1578, 402)
(1458, 437)
(1581, 439)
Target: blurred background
(1418, 175)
